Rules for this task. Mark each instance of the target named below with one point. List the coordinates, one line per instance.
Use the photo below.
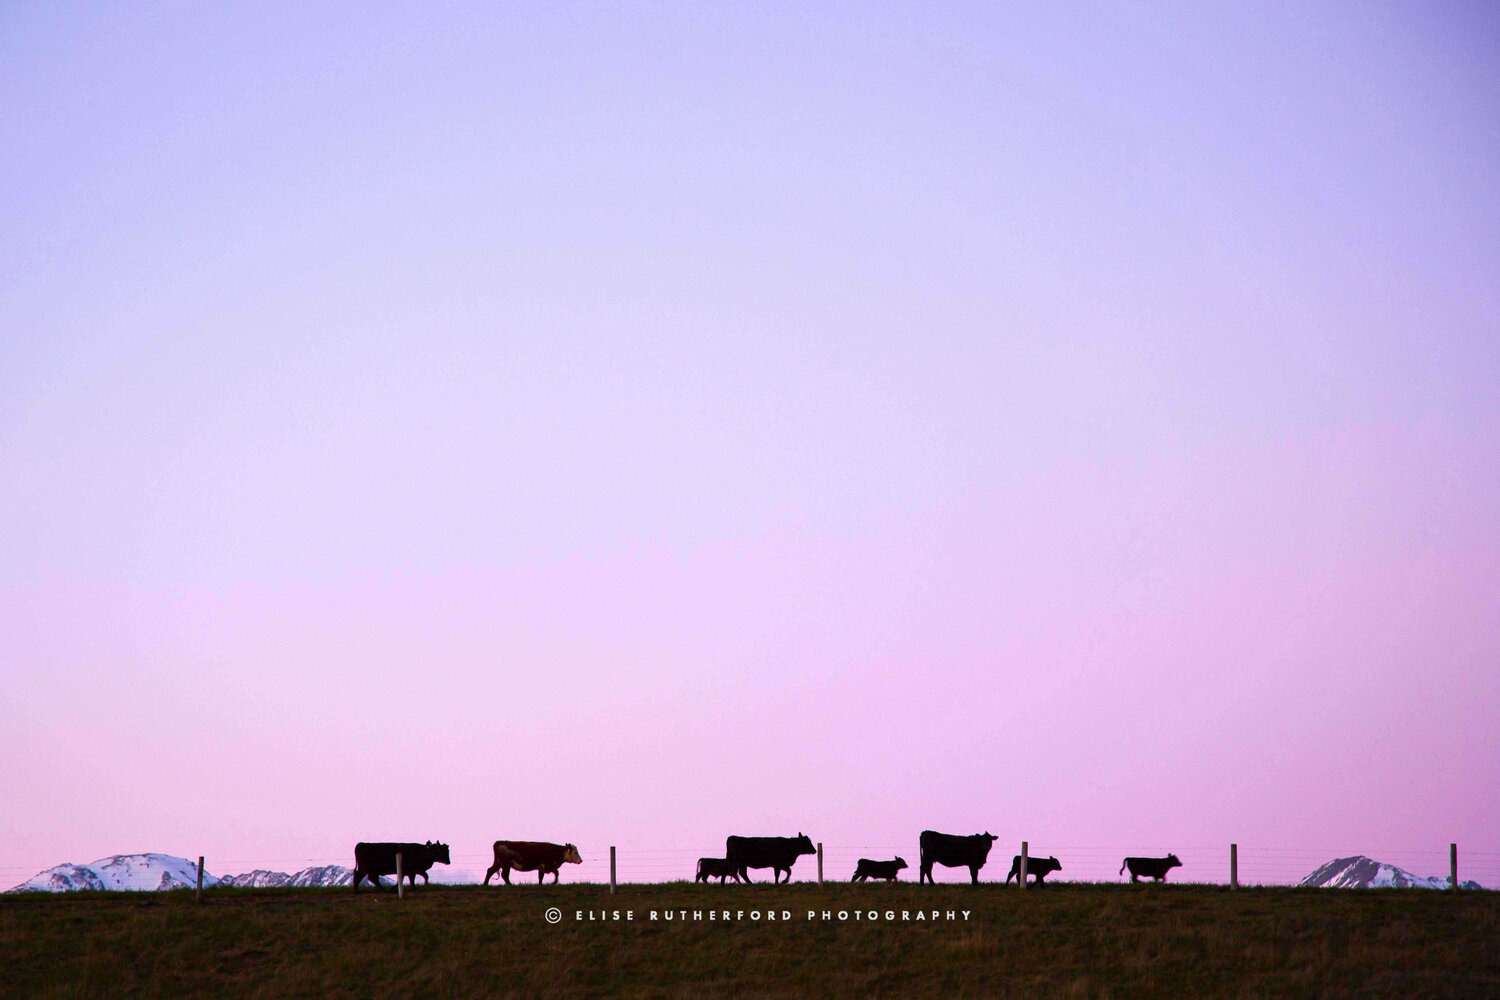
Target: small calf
(1155, 868)
(711, 867)
(878, 869)
(1038, 867)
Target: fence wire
(1202, 864)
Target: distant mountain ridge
(1360, 872)
(262, 879)
(120, 872)
(157, 872)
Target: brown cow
(531, 856)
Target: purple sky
(638, 424)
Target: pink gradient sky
(637, 425)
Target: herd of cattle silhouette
(740, 855)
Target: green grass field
(1063, 941)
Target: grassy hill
(1063, 941)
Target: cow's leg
(925, 873)
(973, 874)
(490, 873)
(358, 878)
(555, 875)
(505, 874)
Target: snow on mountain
(150, 872)
(262, 879)
(132, 872)
(325, 875)
(1360, 872)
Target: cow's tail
(699, 873)
(1122, 867)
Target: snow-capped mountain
(262, 879)
(1360, 872)
(149, 872)
(136, 872)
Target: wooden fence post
(1234, 866)
(1025, 857)
(820, 862)
(1453, 865)
(400, 889)
(200, 878)
(611, 869)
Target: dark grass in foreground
(1062, 941)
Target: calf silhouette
(1154, 868)
(719, 868)
(1036, 867)
(878, 869)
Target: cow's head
(1173, 862)
(900, 863)
(805, 844)
(1056, 864)
(571, 855)
(439, 852)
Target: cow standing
(1153, 868)
(952, 851)
(777, 853)
(719, 868)
(1038, 867)
(374, 860)
(887, 870)
(531, 856)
